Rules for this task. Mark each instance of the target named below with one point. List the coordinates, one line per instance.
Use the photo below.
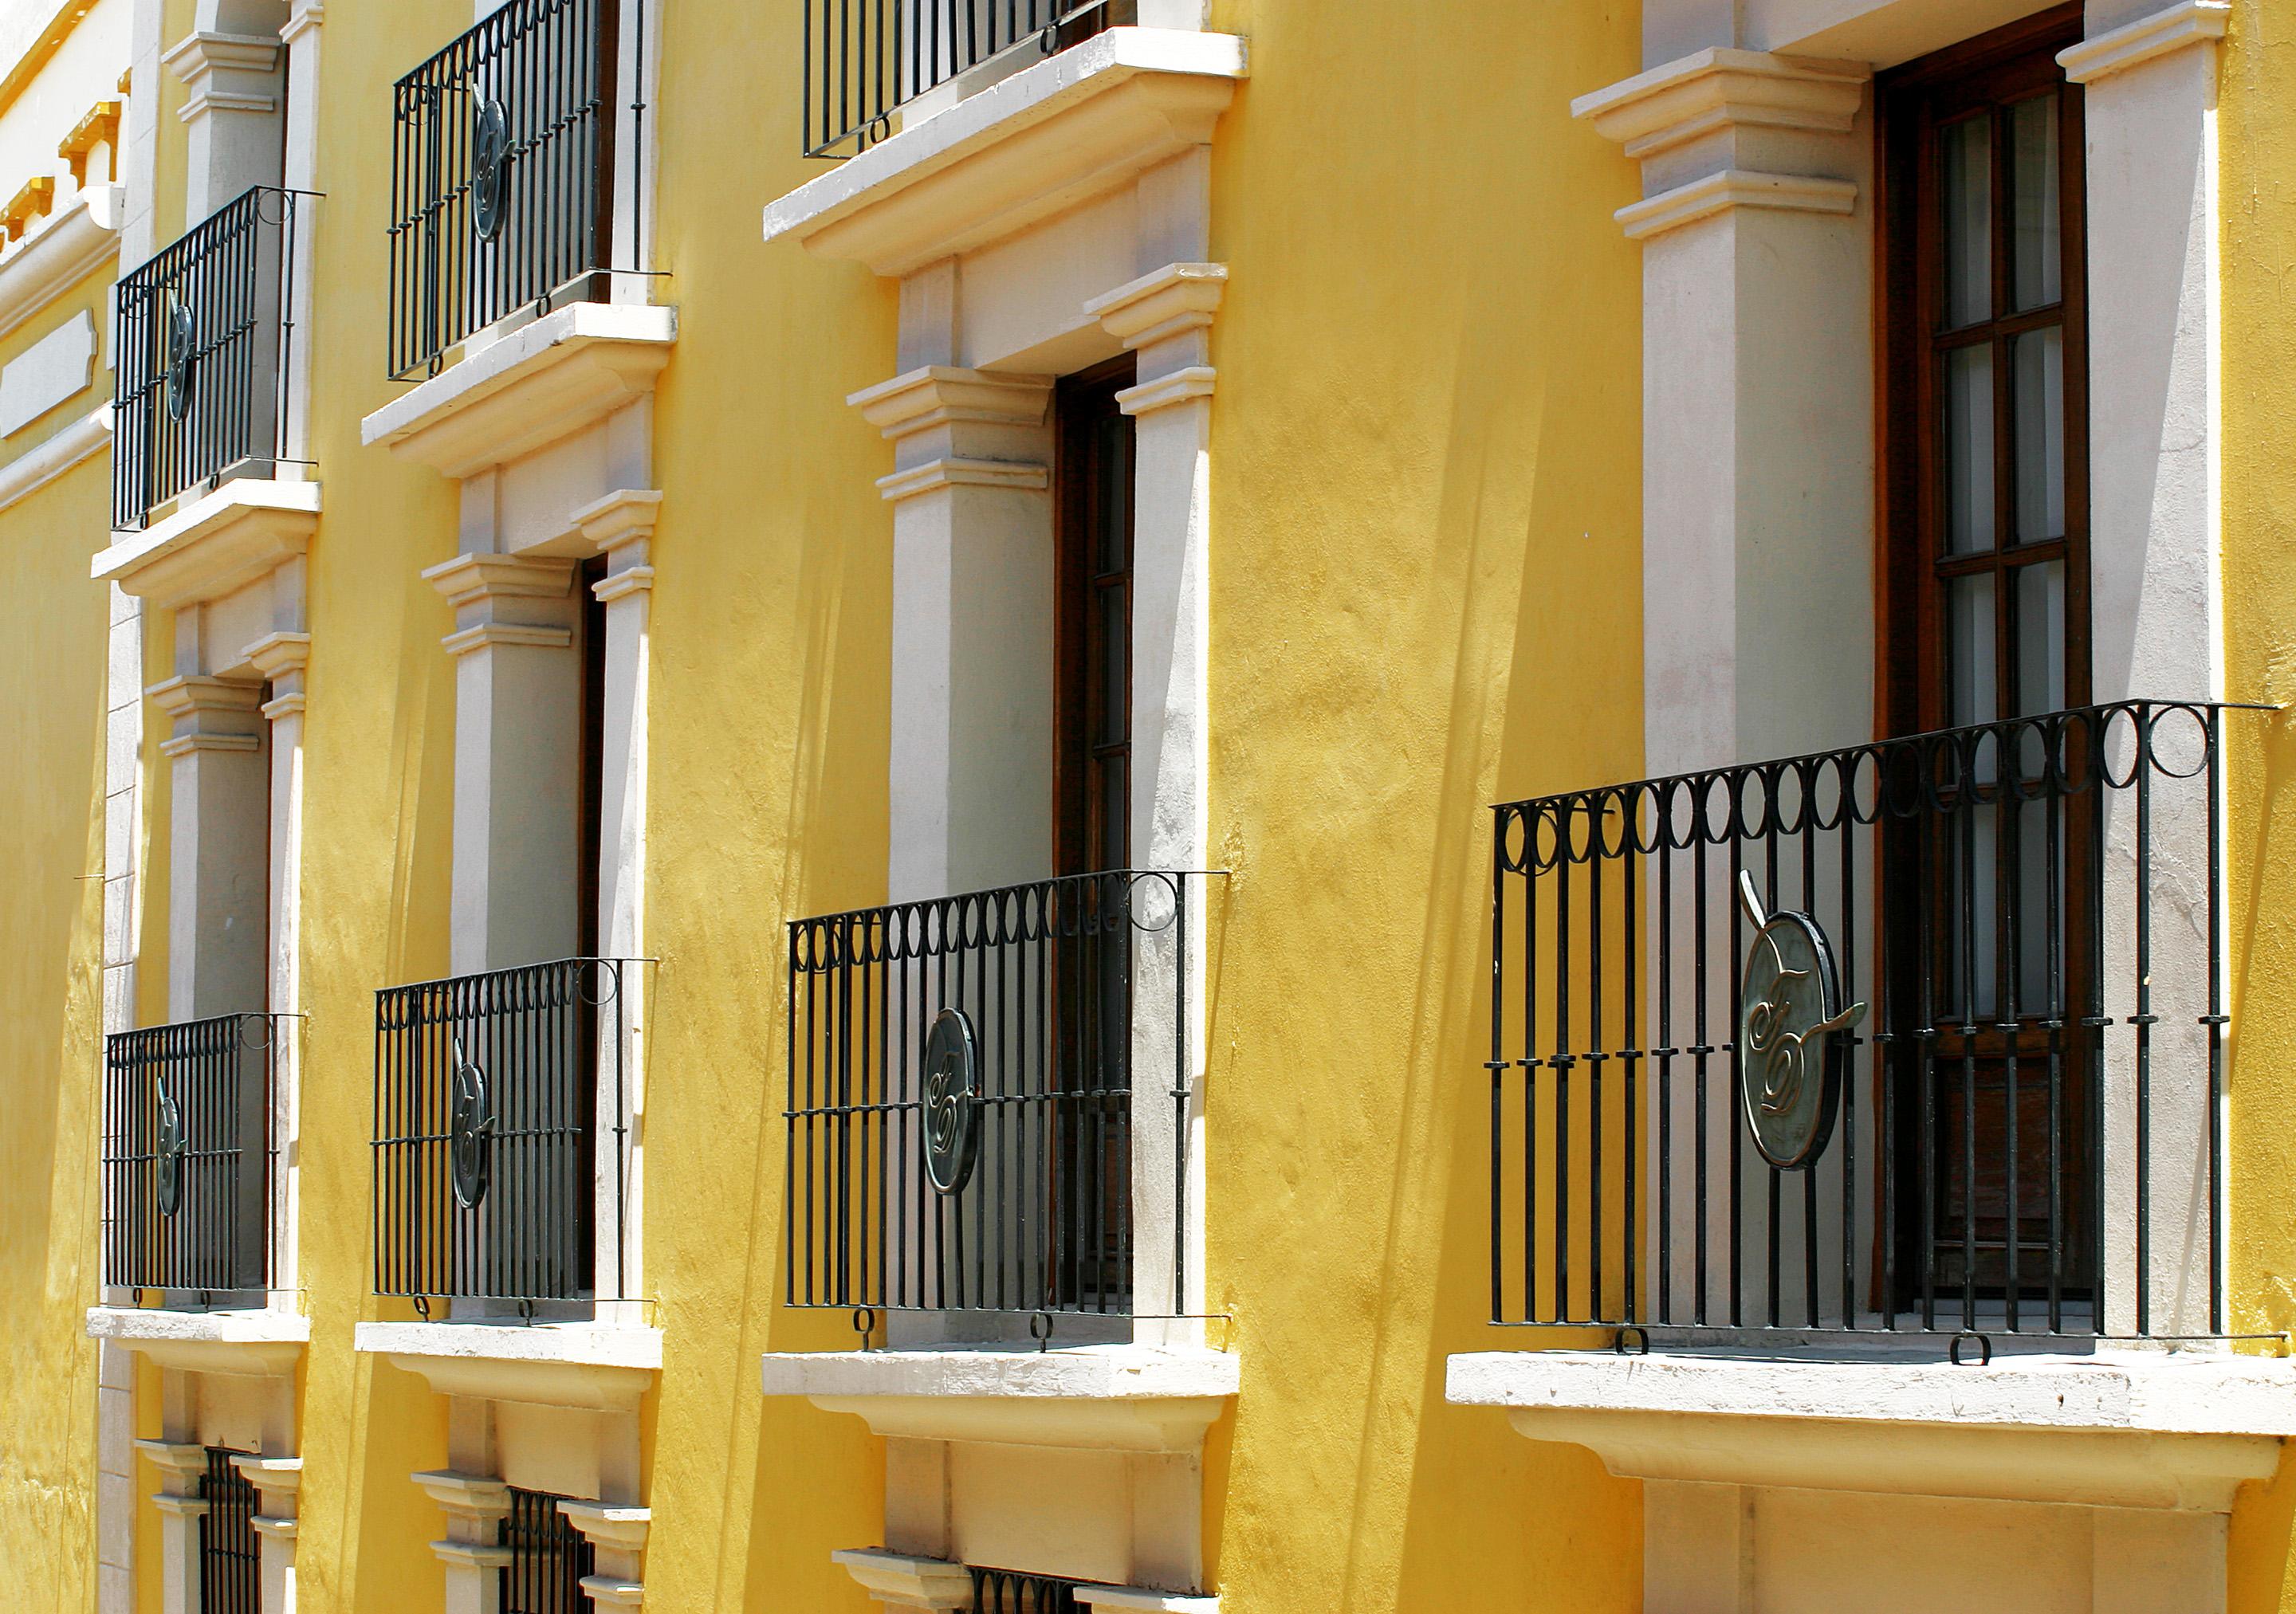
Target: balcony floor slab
(237, 1344)
(583, 1366)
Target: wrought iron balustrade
(865, 60)
(1011, 1592)
(971, 1085)
(230, 1554)
(204, 340)
(501, 1134)
(1920, 1036)
(191, 1153)
(549, 1558)
(506, 169)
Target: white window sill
(544, 382)
(1118, 1397)
(585, 1366)
(1034, 144)
(2134, 1429)
(238, 1344)
(218, 542)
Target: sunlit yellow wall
(53, 634)
(2258, 134)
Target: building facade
(754, 863)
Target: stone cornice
(1734, 188)
(468, 579)
(471, 1496)
(489, 636)
(1195, 381)
(1722, 88)
(940, 395)
(958, 472)
(626, 516)
(609, 1525)
(1173, 300)
(188, 695)
(215, 545)
(81, 440)
(276, 654)
(59, 254)
(2146, 39)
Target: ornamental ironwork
(173, 1147)
(470, 1123)
(1790, 1022)
(952, 1102)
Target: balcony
(191, 1158)
(1923, 1038)
(976, 1125)
(513, 173)
(502, 1140)
(204, 343)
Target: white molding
(1127, 1398)
(544, 382)
(940, 395)
(1721, 89)
(235, 1344)
(2146, 39)
(1133, 1597)
(957, 471)
(70, 246)
(585, 1366)
(1171, 301)
(899, 1580)
(2156, 1430)
(216, 545)
(1734, 188)
(83, 438)
(1194, 381)
(1038, 143)
(49, 374)
(485, 635)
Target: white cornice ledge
(542, 382)
(1035, 144)
(76, 242)
(1134, 1598)
(218, 543)
(49, 458)
(238, 1344)
(1122, 1397)
(2151, 1430)
(587, 1366)
(2146, 39)
(1734, 188)
(1722, 88)
(934, 475)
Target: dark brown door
(1985, 622)
(1091, 817)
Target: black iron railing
(501, 1134)
(1009, 1592)
(967, 1104)
(505, 172)
(1924, 1035)
(866, 59)
(191, 1152)
(230, 1556)
(204, 338)
(548, 1558)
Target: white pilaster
(972, 778)
(182, 1469)
(232, 111)
(276, 1481)
(475, 1507)
(619, 1535)
(218, 918)
(282, 657)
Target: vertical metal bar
(2142, 767)
(2214, 1030)
(1496, 1065)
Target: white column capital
(278, 1480)
(2177, 27)
(608, 1525)
(1172, 301)
(226, 72)
(469, 1499)
(627, 516)
(1179, 387)
(181, 1466)
(481, 578)
(899, 1581)
(942, 395)
(275, 655)
(195, 695)
(305, 17)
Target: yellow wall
(2257, 135)
(52, 659)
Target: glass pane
(1114, 696)
(1114, 809)
(2035, 252)
(1969, 449)
(2040, 637)
(1112, 542)
(2037, 383)
(1970, 675)
(1966, 193)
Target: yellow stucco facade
(1424, 474)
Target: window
(548, 1558)
(231, 1558)
(1985, 621)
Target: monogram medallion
(489, 170)
(170, 1154)
(1793, 1045)
(952, 1102)
(183, 345)
(469, 1132)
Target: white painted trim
(1035, 144)
(49, 374)
(220, 543)
(956, 472)
(2152, 1430)
(1734, 188)
(585, 1366)
(1182, 385)
(1133, 1597)
(899, 1580)
(42, 463)
(72, 244)
(238, 1344)
(2146, 39)
(1712, 90)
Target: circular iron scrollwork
(489, 170)
(183, 345)
(168, 1157)
(952, 1102)
(469, 1131)
(1792, 1034)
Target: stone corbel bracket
(223, 542)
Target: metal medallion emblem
(469, 1132)
(1791, 1035)
(489, 170)
(183, 344)
(952, 1102)
(168, 1157)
